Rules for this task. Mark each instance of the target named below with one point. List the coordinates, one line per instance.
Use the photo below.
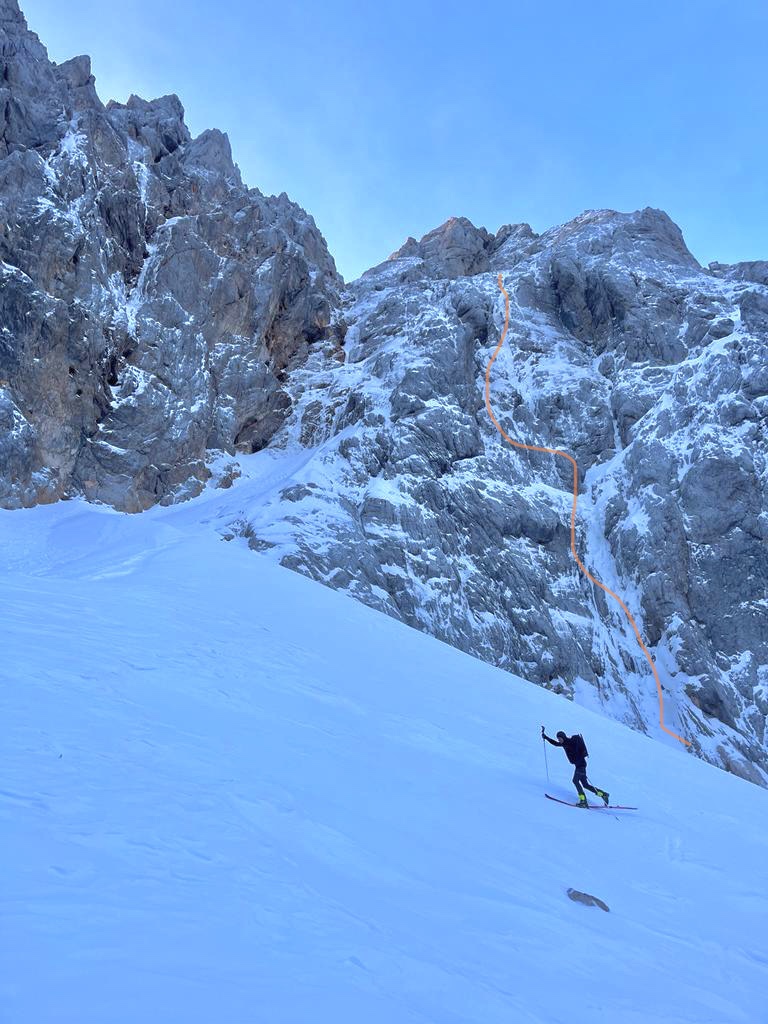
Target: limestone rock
(587, 899)
(622, 351)
(150, 302)
(155, 312)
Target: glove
(542, 732)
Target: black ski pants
(580, 780)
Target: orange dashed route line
(565, 455)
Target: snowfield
(232, 795)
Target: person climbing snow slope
(577, 753)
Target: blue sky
(383, 121)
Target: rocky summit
(622, 351)
(156, 313)
(150, 303)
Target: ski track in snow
(232, 794)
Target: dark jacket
(572, 747)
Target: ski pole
(544, 745)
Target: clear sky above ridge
(383, 121)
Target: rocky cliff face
(153, 310)
(150, 303)
(623, 351)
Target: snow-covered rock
(149, 302)
(155, 312)
(624, 352)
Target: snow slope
(230, 794)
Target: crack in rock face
(155, 312)
(617, 352)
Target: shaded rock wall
(623, 351)
(150, 302)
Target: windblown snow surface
(232, 795)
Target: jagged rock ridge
(623, 351)
(155, 311)
(150, 303)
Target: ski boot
(583, 801)
(604, 795)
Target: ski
(592, 807)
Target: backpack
(577, 749)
